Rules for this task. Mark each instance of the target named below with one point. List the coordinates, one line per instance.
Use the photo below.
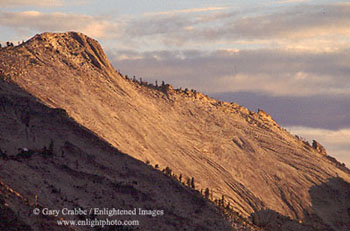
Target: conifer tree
(192, 183)
(167, 171)
(206, 193)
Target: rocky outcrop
(319, 148)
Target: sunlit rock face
(243, 155)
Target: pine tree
(206, 193)
(192, 183)
(167, 171)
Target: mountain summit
(265, 173)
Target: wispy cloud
(41, 3)
(336, 142)
(36, 21)
(291, 1)
(186, 11)
(308, 27)
(343, 3)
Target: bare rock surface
(245, 156)
(316, 145)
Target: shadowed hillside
(243, 155)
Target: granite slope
(245, 156)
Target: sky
(288, 57)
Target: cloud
(343, 3)
(291, 1)
(292, 84)
(271, 72)
(309, 27)
(318, 27)
(186, 11)
(41, 3)
(35, 21)
(336, 142)
(156, 25)
(305, 21)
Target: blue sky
(288, 57)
